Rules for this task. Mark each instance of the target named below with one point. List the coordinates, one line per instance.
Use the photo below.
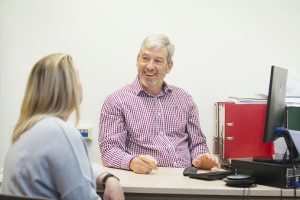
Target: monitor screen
(276, 103)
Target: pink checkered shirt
(166, 127)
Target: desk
(169, 183)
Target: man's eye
(160, 62)
(145, 59)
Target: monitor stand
(292, 139)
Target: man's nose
(151, 64)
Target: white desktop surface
(171, 181)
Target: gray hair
(159, 41)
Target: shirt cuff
(125, 161)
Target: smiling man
(150, 123)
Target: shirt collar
(139, 90)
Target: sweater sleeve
(71, 167)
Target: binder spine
(216, 142)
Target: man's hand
(143, 164)
(113, 190)
(206, 161)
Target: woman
(48, 158)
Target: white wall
(223, 48)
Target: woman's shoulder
(56, 127)
(58, 135)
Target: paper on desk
(292, 101)
(262, 98)
(248, 100)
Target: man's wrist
(131, 163)
(126, 161)
(106, 177)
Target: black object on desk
(239, 180)
(214, 175)
(189, 170)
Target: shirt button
(162, 133)
(169, 145)
(174, 164)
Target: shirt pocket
(140, 128)
(176, 122)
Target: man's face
(152, 68)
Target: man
(150, 123)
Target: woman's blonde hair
(53, 89)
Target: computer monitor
(276, 103)
(274, 121)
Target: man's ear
(170, 66)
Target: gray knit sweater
(50, 160)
